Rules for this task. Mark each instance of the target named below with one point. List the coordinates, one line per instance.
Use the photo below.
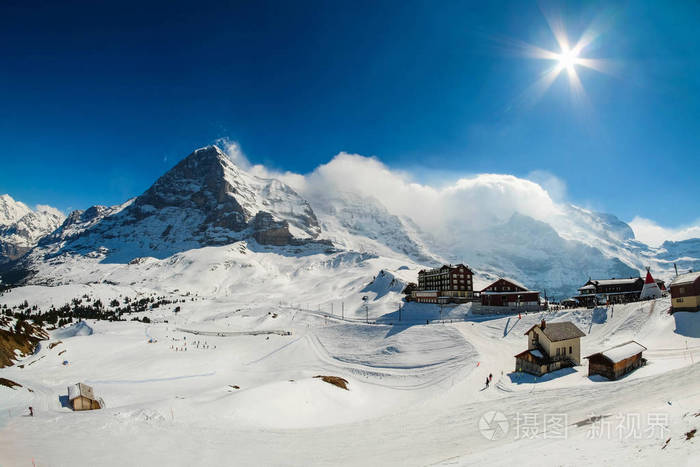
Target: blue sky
(99, 100)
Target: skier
(487, 382)
(490, 377)
(31, 411)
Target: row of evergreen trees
(87, 308)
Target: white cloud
(555, 186)
(233, 150)
(651, 233)
(468, 203)
(472, 203)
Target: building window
(571, 350)
(558, 351)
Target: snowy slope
(533, 252)
(417, 388)
(363, 224)
(11, 211)
(21, 228)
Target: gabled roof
(514, 282)
(511, 281)
(80, 389)
(536, 354)
(628, 281)
(556, 332)
(621, 352)
(685, 279)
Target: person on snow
(490, 377)
(31, 411)
(487, 382)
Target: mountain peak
(11, 210)
(204, 200)
(212, 152)
(21, 228)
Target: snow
(623, 351)
(630, 280)
(78, 329)
(685, 279)
(73, 391)
(230, 378)
(21, 228)
(11, 211)
(417, 388)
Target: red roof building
(509, 293)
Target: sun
(567, 60)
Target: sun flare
(567, 59)
(570, 58)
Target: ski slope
(416, 391)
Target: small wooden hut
(81, 397)
(616, 361)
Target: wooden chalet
(507, 292)
(613, 290)
(551, 346)
(617, 361)
(685, 292)
(82, 397)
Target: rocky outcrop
(268, 231)
(205, 200)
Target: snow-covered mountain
(685, 254)
(363, 223)
(532, 251)
(206, 200)
(21, 227)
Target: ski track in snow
(418, 388)
(149, 380)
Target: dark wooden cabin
(617, 361)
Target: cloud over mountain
(651, 233)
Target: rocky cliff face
(205, 200)
(21, 227)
